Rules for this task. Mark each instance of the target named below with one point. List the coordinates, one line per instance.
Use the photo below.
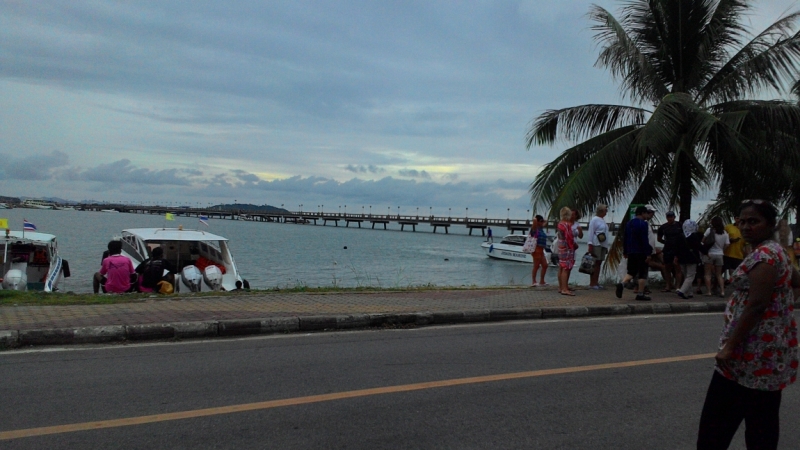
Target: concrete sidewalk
(268, 312)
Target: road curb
(242, 327)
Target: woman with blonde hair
(566, 250)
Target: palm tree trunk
(685, 187)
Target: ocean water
(271, 255)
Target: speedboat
(510, 248)
(31, 261)
(199, 257)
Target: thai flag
(204, 220)
(28, 226)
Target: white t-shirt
(576, 230)
(598, 226)
(720, 242)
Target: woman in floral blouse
(566, 250)
(758, 354)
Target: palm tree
(692, 75)
(777, 179)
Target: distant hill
(12, 200)
(251, 207)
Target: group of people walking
(568, 231)
(758, 347)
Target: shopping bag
(587, 264)
(530, 245)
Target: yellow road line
(114, 423)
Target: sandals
(570, 293)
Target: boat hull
(186, 249)
(506, 252)
(30, 261)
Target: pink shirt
(118, 270)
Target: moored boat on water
(199, 257)
(30, 261)
(37, 204)
(510, 248)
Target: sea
(286, 255)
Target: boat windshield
(514, 239)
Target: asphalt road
(639, 405)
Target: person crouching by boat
(539, 259)
(566, 250)
(599, 240)
(758, 354)
(116, 271)
(151, 271)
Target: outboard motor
(213, 277)
(15, 280)
(192, 278)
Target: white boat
(37, 204)
(64, 208)
(31, 261)
(510, 248)
(109, 211)
(200, 258)
(3, 206)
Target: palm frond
(589, 173)
(723, 31)
(768, 60)
(620, 54)
(581, 122)
(768, 124)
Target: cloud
(413, 173)
(245, 176)
(364, 169)
(450, 176)
(34, 167)
(123, 171)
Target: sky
(421, 105)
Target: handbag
(708, 241)
(587, 264)
(530, 245)
(554, 246)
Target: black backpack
(153, 273)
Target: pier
(404, 221)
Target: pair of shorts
(730, 263)
(599, 252)
(669, 258)
(637, 265)
(716, 260)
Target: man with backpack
(152, 271)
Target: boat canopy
(172, 234)
(29, 236)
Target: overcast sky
(415, 104)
